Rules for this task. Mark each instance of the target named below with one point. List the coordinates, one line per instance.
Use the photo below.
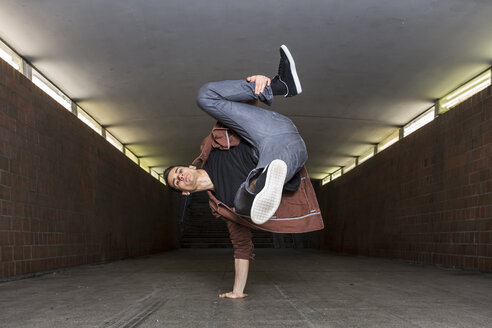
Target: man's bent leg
(222, 101)
(290, 149)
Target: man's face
(183, 178)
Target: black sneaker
(243, 201)
(287, 73)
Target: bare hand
(260, 81)
(232, 295)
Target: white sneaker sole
(292, 68)
(268, 199)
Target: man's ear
(192, 167)
(185, 193)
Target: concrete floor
(287, 288)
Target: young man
(253, 160)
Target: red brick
(487, 137)
(18, 224)
(19, 268)
(38, 252)
(18, 195)
(489, 251)
(4, 119)
(27, 267)
(470, 262)
(484, 237)
(4, 238)
(4, 163)
(7, 254)
(37, 265)
(35, 226)
(5, 179)
(481, 250)
(20, 238)
(52, 251)
(5, 192)
(18, 253)
(4, 222)
(27, 252)
(485, 264)
(486, 186)
(7, 269)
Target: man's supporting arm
(241, 240)
(242, 268)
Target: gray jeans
(273, 135)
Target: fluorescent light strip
(9, 59)
(336, 174)
(52, 93)
(387, 144)
(466, 95)
(468, 85)
(131, 156)
(469, 89)
(349, 167)
(365, 156)
(326, 180)
(154, 174)
(419, 122)
(112, 140)
(388, 141)
(87, 119)
(144, 165)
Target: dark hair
(166, 174)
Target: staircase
(203, 230)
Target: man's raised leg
(282, 154)
(281, 149)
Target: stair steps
(203, 230)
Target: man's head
(182, 178)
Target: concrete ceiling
(366, 65)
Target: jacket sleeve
(241, 239)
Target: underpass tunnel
(91, 236)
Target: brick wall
(427, 198)
(67, 197)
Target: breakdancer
(250, 161)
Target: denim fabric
(273, 135)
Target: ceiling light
(131, 155)
(112, 140)
(87, 119)
(350, 165)
(366, 155)
(389, 140)
(51, 90)
(464, 92)
(144, 165)
(420, 121)
(336, 174)
(154, 174)
(9, 56)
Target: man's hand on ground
(260, 81)
(232, 295)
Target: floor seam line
(295, 307)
